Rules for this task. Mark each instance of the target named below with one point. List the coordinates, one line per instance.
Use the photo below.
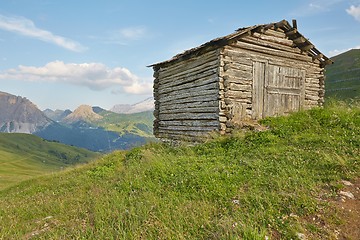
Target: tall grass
(248, 186)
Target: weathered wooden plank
(251, 56)
(240, 87)
(315, 76)
(314, 93)
(190, 110)
(190, 85)
(283, 90)
(272, 52)
(208, 123)
(234, 55)
(238, 79)
(312, 86)
(190, 99)
(275, 33)
(189, 128)
(240, 100)
(238, 94)
(309, 102)
(194, 104)
(170, 76)
(306, 47)
(238, 73)
(186, 71)
(192, 116)
(318, 56)
(237, 66)
(270, 45)
(293, 63)
(274, 39)
(184, 92)
(258, 90)
(316, 81)
(188, 78)
(311, 97)
(190, 63)
(298, 40)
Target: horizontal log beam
(170, 76)
(210, 86)
(189, 94)
(196, 104)
(209, 123)
(188, 116)
(190, 85)
(271, 52)
(189, 110)
(190, 63)
(189, 128)
(190, 100)
(208, 73)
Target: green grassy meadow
(24, 156)
(253, 185)
(135, 123)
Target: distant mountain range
(343, 77)
(57, 115)
(146, 105)
(88, 127)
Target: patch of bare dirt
(340, 219)
(348, 208)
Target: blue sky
(61, 54)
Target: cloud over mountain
(95, 76)
(354, 11)
(26, 27)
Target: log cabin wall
(186, 97)
(269, 53)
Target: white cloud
(354, 11)
(133, 33)
(139, 88)
(27, 27)
(95, 76)
(122, 36)
(315, 7)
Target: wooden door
(277, 90)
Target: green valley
(136, 123)
(24, 156)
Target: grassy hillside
(249, 186)
(23, 156)
(135, 123)
(343, 77)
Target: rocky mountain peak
(83, 113)
(18, 114)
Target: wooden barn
(256, 72)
